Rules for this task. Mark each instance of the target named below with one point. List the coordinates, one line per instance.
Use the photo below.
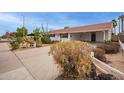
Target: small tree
(74, 59)
(37, 34)
(45, 38)
(18, 37)
(37, 37)
(21, 32)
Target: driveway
(39, 63)
(10, 66)
(27, 64)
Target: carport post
(104, 35)
(68, 36)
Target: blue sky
(9, 21)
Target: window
(64, 35)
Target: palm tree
(122, 23)
(119, 23)
(114, 25)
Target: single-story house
(95, 33)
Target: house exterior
(94, 33)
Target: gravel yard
(116, 60)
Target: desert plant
(100, 54)
(45, 38)
(114, 38)
(14, 45)
(21, 32)
(38, 44)
(108, 42)
(109, 48)
(73, 57)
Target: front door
(93, 36)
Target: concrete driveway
(39, 63)
(27, 64)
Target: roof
(88, 28)
(31, 34)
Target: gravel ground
(116, 60)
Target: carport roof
(88, 28)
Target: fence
(106, 68)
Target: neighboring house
(31, 35)
(95, 33)
(8, 34)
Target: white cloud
(5, 17)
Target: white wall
(109, 34)
(81, 36)
(75, 36)
(56, 38)
(84, 36)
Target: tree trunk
(115, 30)
(119, 26)
(122, 25)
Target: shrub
(14, 45)
(100, 54)
(74, 59)
(46, 40)
(38, 44)
(103, 76)
(109, 48)
(114, 38)
(108, 42)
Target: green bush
(73, 57)
(46, 40)
(14, 45)
(100, 54)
